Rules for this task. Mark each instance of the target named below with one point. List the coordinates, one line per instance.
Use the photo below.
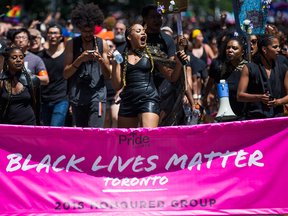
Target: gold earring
(7, 67)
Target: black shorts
(132, 110)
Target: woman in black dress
(139, 99)
(233, 51)
(264, 83)
(17, 93)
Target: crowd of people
(70, 76)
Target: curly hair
(241, 40)
(7, 52)
(272, 30)
(88, 15)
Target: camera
(85, 77)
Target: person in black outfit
(168, 91)
(139, 99)
(233, 50)
(54, 96)
(17, 93)
(86, 65)
(264, 83)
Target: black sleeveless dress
(140, 94)
(258, 84)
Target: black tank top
(204, 56)
(20, 110)
(258, 84)
(81, 93)
(140, 86)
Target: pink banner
(232, 168)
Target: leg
(107, 121)
(149, 119)
(80, 114)
(114, 115)
(127, 122)
(47, 113)
(59, 113)
(95, 119)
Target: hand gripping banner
(236, 168)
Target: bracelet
(199, 96)
(224, 27)
(195, 96)
(193, 105)
(74, 65)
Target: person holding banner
(139, 99)
(264, 83)
(18, 98)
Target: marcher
(264, 83)
(119, 35)
(32, 62)
(86, 66)
(2, 47)
(140, 101)
(35, 43)
(17, 93)
(54, 96)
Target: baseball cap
(2, 46)
(34, 32)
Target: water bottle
(118, 57)
(187, 110)
(195, 115)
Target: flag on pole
(13, 15)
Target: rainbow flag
(13, 15)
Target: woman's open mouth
(143, 40)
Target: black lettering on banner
(80, 205)
(64, 205)
(124, 207)
(152, 204)
(58, 207)
(212, 201)
(202, 204)
(196, 203)
(174, 203)
(102, 203)
(92, 205)
(183, 203)
(73, 205)
(113, 205)
(142, 204)
(132, 204)
(122, 138)
(160, 202)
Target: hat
(34, 32)
(167, 28)
(2, 46)
(195, 33)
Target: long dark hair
(7, 53)
(242, 42)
